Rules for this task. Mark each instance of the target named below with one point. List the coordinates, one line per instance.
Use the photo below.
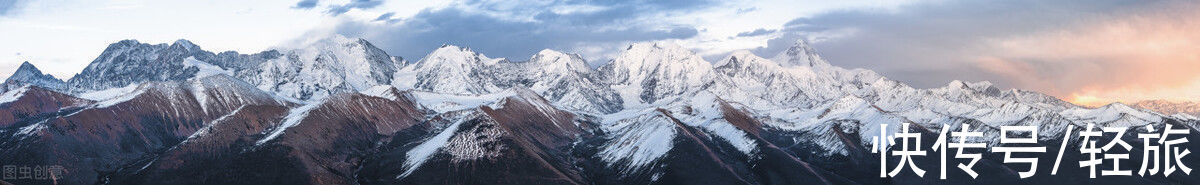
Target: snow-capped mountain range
(655, 114)
(1176, 108)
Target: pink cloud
(1155, 55)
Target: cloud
(306, 4)
(746, 10)
(760, 31)
(385, 16)
(339, 9)
(1058, 47)
(1127, 59)
(9, 7)
(354, 4)
(518, 30)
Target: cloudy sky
(1089, 52)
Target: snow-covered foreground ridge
(648, 102)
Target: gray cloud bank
(517, 30)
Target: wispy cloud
(339, 9)
(354, 4)
(306, 4)
(746, 10)
(758, 32)
(385, 16)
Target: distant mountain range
(341, 111)
(1171, 107)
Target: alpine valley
(341, 111)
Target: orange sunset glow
(1148, 57)
(1087, 100)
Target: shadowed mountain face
(324, 144)
(524, 138)
(341, 111)
(33, 103)
(110, 135)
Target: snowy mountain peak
(28, 70)
(663, 45)
(553, 60)
(985, 87)
(554, 54)
(27, 74)
(130, 62)
(339, 40)
(26, 66)
(1115, 114)
(743, 57)
(185, 44)
(447, 51)
(326, 67)
(800, 54)
(1119, 107)
(647, 72)
(957, 84)
(314, 69)
(448, 69)
(549, 52)
(343, 43)
(124, 44)
(445, 48)
(457, 55)
(648, 56)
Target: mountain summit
(131, 62)
(329, 66)
(27, 74)
(800, 54)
